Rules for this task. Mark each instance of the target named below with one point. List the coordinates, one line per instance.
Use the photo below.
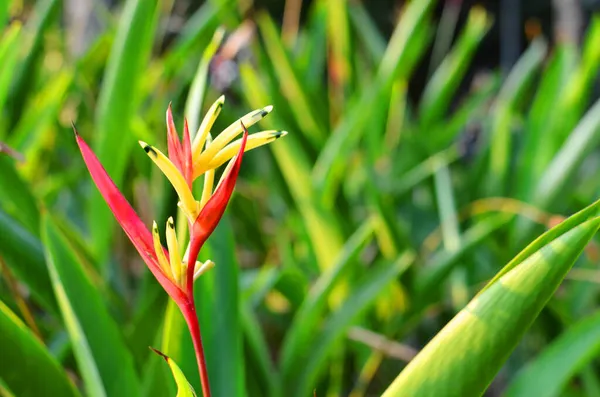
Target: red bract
(212, 212)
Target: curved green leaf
(26, 366)
(465, 356)
(103, 359)
(551, 370)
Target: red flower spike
(212, 212)
(187, 162)
(173, 143)
(132, 225)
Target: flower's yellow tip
(201, 268)
(171, 222)
(221, 99)
(281, 134)
(143, 144)
(268, 109)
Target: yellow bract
(189, 205)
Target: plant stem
(189, 313)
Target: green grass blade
(9, 42)
(27, 367)
(408, 41)
(107, 366)
(323, 227)
(511, 93)
(340, 51)
(44, 13)
(538, 148)
(466, 355)
(578, 145)
(442, 86)
(373, 40)
(301, 330)
(24, 254)
(258, 357)
(303, 107)
(117, 106)
(16, 197)
(559, 362)
(440, 266)
(195, 99)
(364, 295)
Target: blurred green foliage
(348, 245)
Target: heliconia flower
(185, 162)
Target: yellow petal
(202, 268)
(205, 127)
(160, 253)
(189, 205)
(173, 246)
(254, 141)
(227, 135)
(209, 179)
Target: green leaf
(105, 363)
(16, 197)
(442, 86)
(193, 105)
(184, 389)
(23, 253)
(465, 356)
(311, 311)
(27, 367)
(559, 362)
(363, 296)
(218, 295)
(117, 106)
(409, 40)
(323, 226)
(44, 13)
(290, 84)
(9, 43)
(517, 82)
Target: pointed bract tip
(266, 110)
(74, 129)
(154, 226)
(163, 355)
(170, 223)
(279, 134)
(244, 129)
(147, 148)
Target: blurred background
(429, 142)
